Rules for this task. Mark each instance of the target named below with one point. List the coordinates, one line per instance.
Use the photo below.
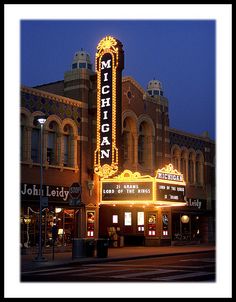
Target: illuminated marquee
(127, 187)
(170, 185)
(167, 188)
(170, 192)
(127, 191)
(108, 67)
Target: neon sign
(108, 57)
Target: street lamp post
(40, 257)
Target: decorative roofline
(136, 84)
(146, 96)
(53, 97)
(181, 132)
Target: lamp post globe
(41, 120)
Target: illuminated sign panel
(125, 191)
(169, 176)
(170, 192)
(170, 185)
(126, 187)
(106, 110)
(129, 187)
(109, 64)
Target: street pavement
(63, 256)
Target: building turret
(81, 60)
(155, 88)
(77, 80)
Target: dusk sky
(179, 53)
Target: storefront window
(176, 234)
(195, 227)
(62, 218)
(185, 227)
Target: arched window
(183, 164)
(53, 144)
(126, 135)
(23, 137)
(146, 148)
(68, 146)
(141, 145)
(191, 168)
(141, 149)
(129, 130)
(199, 169)
(35, 145)
(66, 142)
(176, 158)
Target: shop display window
(165, 231)
(62, 218)
(185, 226)
(90, 223)
(151, 224)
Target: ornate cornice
(53, 97)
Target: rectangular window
(90, 66)
(140, 221)
(140, 218)
(82, 65)
(114, 218)
(74, 65)
(128, 218)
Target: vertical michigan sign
(109, 65)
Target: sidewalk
(114, 254)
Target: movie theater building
(142, 182)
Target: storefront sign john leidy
(49, 191)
